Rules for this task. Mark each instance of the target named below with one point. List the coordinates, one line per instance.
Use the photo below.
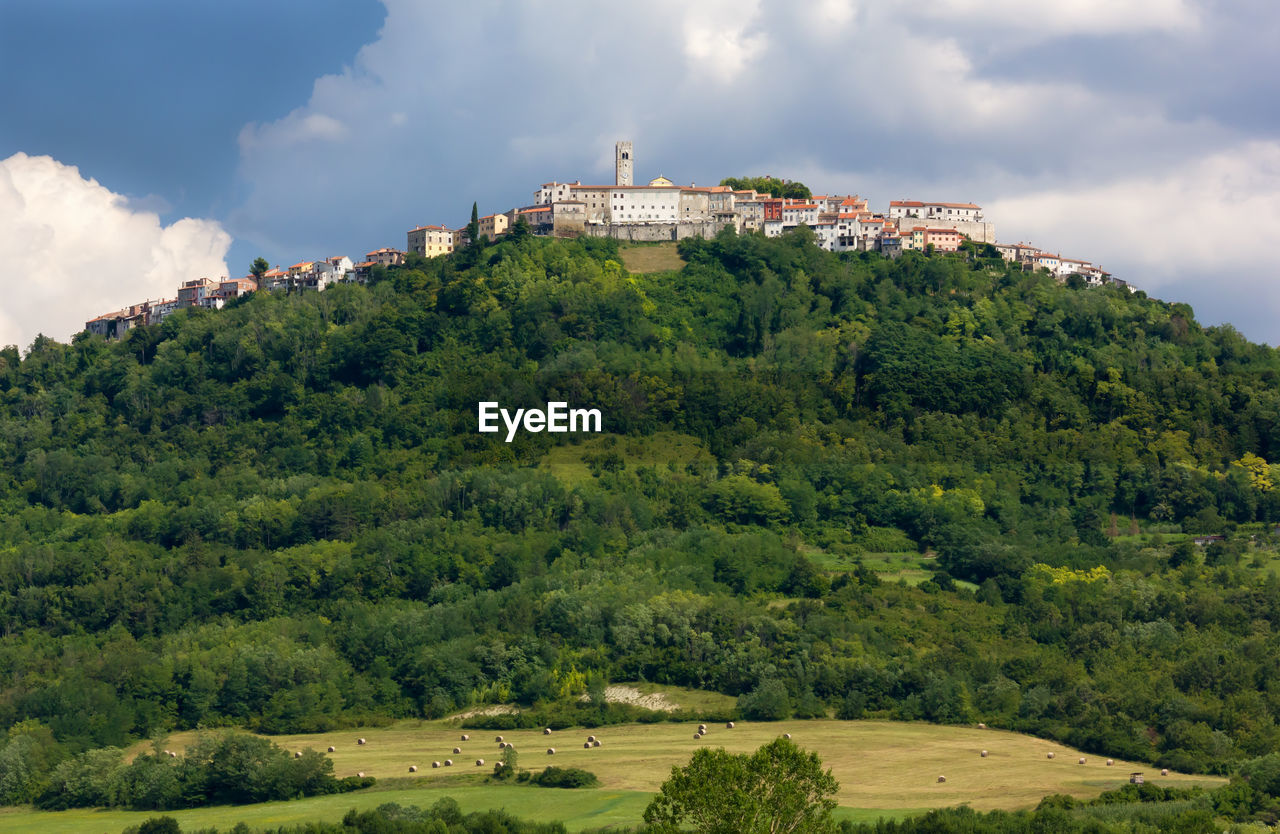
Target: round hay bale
(435, 764)
(942, 778)
(413, 768)
(448, 762)
(546, 731)
(786, 735)
(332, 749)
(457, 750)
(728, 725)
(466, 737)
(702, 726)
(984, 754)
(297, 754)
(479, 762)
(359, 741)
(697, 736)
(1110, 762)
(551, 751)
(166, 752)
(360, 774)
(982, 726)
(498, 739)
(1082, 760)
(1164, 771)
(587, 745)
(1051, 755)
(591, 738)
(595, 743)
(173, 755)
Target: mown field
(884, 769)
(651, 257)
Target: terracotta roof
(436, 228)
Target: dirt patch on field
(656, 701)
(496, 709)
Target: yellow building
(430, 241)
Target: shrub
(565, 777)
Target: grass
(651, 257)
(568, 462)
(884, 769)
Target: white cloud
(1220, 210)
(716, 39)
(1069, 17)
(72, 250)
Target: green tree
(259, 268)
(778, 788)
(473, 228)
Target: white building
(959, 212)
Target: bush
(768, 702)
(565, 777)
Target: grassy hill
(884, 769)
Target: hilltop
(282, 516)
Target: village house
(430, 241)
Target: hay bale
(435, 764)
(546, 731)
(984, 754)
(591, 738)
(697, 736)
(702, 726)
(173, 755)
(982, 726)
(551, 751)
(332, 749)
(1082, 760)
(728, 725)
(457, 750)
(360, 774)
(498, 739)
(786, 735)
(1110, 762)
(466, 737)
(942, 778)
(1051, 755)
(587, 745)
(479, 762)
(1164, 771)
(413, 768)
(448, 762)
(359, 741)
(595, 743)
(297, 754)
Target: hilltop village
(657, 211)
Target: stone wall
(654, 232)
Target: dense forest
(281, 515)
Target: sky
(146, 142)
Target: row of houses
(660, 210)
(213, 294)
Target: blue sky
(145, 142)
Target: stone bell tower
(623, 163)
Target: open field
(884, 769)
(569, 462)
(651, 257)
